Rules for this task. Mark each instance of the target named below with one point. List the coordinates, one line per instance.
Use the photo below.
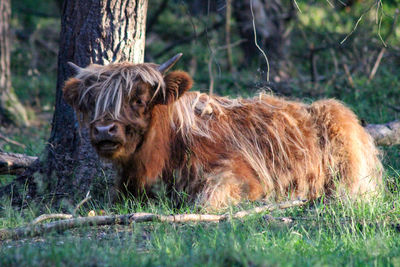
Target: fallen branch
(13, 163)
(385, 134)
(127, 219)
(45, 217)
(8, 140)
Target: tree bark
(92, 31)
(11, 110)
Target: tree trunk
(92, 31)
(11, 110)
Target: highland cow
(219, 151)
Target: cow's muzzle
(107, 137)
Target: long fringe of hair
(114, 82)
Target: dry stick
(45, 217)
(383, 50)
(8, 140)
(210, 74)
(210, 69)
(348, 74)
(87, 198)
(127, 219)
(255, 39)
(359, 20)
(376, 65)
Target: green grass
(334, 233)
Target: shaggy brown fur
(218, 150)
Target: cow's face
(119, 136)
(116, 102)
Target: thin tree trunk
(271, 18)
(228, 35)
(11, 110)
(92, 31)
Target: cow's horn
(75, 67)
(163, 68)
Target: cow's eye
(138, 102)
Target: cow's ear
(71, 91)
(176, 84)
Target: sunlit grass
(337, 232)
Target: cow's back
(270, 147)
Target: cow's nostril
(105, 131)
(113, 129)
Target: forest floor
(337, 232)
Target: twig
(210, 74)
(87, 198)
(45, 217)
(255, 39)
(8, 140)
(297, 6)
(358, 21)
(127, 219)
(236, 43)
(335, 62)
(284, 220)
(376, 65)
(383, 50)
(348, 74)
